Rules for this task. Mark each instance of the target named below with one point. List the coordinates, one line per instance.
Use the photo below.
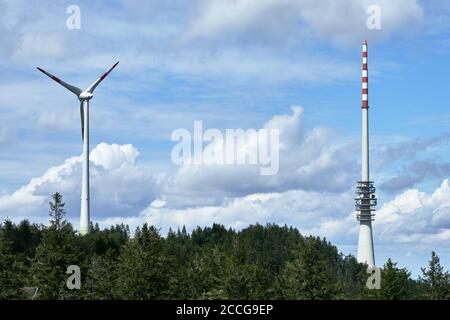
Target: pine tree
(12, 271)
(101, 277)
(258, 262)
(57, 212)
(246, 281)
(28, 238)
(313, 274)
(395, 283)
(353, 277)
(435, 280)
(142, 270)
(57, 250)
(210, 271)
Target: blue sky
(233, 64)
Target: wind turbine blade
(96, 83)
(69, 87)
(82, 119)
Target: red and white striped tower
(365, 191)
(365, 78)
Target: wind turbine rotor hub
(85, 95)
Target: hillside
(258, 262)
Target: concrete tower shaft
(365, 191)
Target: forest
(258, 262)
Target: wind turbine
(84, 97)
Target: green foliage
(396, 283)
(100, 281)
(314, 273)
(143, 272)
(23, 238)
(258, 262)
(435, 281)
(354, 277)
(12, 269)
(57, 250)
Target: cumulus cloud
(416, 217)
(312, 191)
(413, 219)
(313, 166)
(345, 22)
(242, 20)
(230, 48)
(308, 160)
(310, 211)
(119, 185)
(341, 22)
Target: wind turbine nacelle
(85, 95)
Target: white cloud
(119, 185)
(416, 217)
(267, 41)
(341, 22)
(111, 157)
(230, 48)
(314, 160)
(344, 22)
(313, 192)
(312, 167)
(310, 211)
(242, 19)
(413, 219)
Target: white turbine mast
(84, 96)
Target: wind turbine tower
(366, 199)
(84, 97)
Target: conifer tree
(313, 274)
(142, 270)
(57, 251)
(258, 262)
(12, 271)
(395, 283)
(435, 280)
(100, 281)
